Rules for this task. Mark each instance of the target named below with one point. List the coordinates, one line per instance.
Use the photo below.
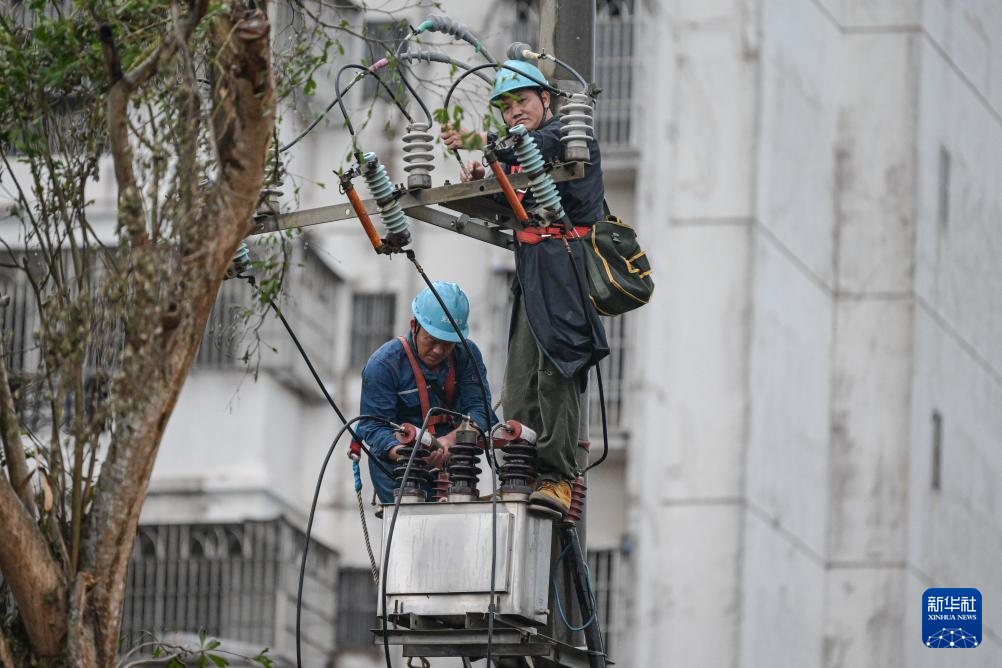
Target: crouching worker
(409, 375)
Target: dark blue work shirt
(389, 390)
(581, 198)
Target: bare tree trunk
(244, 115)
(32, 575)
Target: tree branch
(10, 433)
(32, 574)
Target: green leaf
(212, 644)
(218, 660)
(264, 660)
(310, 86)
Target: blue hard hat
(433, 319)
(506, 81)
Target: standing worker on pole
(555, 335)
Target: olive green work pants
(538, 396)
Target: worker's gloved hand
(439, 457)
(474, 170)
(455, 138)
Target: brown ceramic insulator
(440, 488)
(578, 490)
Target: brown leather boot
(552, 494)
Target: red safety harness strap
(534, 235)
(422, 384)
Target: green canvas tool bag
(619, 272)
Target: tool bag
(619, 273)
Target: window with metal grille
(605, 567)
(371, 324)
(237, 581)
(356, 609)
(614, 66)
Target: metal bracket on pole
(482, 219)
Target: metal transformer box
(440, 560)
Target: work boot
(552, 494)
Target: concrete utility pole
(567, 30)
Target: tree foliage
(176, 103)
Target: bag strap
(605, 208)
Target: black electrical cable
(340, 95)
(567, 67)
(492, 605)
(309, 523)
(605, 426)
(414, 93)
(316, 376)
(320, 383)
(389, 535)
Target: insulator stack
(518, 472)
(578, 492)
(418, 155)
(464, 466)
(544, 191)
(413, 488)
(382, 191)
(440, 488)
(241, 263)
(578, 126)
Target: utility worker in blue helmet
(555, 335)
(409, 375)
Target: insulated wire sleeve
(436, 57)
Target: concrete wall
(696, 194)
(861, 309)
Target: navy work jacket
(565, 325)
(389, 390)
